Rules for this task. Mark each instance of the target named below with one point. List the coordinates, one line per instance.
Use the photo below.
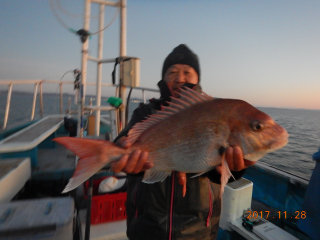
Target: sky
(266, 52)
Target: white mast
(85, 45)
(84, 60)
(123, 52)
(99, 74)
(84, 34)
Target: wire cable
(114, 18)
(65, 12)
(66, 73)
(71, 29)
(55, 108)
(58, 18)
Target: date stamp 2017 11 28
(279, 215)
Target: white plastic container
(236, 198)
(41, 219)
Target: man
(160, 210)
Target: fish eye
(256, 125)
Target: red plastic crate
(106, 207)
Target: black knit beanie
(181, 55)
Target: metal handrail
(38, 85)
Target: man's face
(179, 74)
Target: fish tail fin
(225, 175)
(93, 155)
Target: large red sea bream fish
(187, 136)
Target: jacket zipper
(171, 206)
(210, 205)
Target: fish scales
(188, 148)
(187, 136)
(186, 141)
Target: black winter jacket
(159, 211)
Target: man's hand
(234, 158)
(131, 163)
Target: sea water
(304, 140)
(296, 157)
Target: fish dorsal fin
(187, 98)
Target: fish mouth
(278, 143)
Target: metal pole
(6, 114)
(99, 74)
(117, 91)
(85, 46)
(88, 217)
(144, 96)
(90, 105)
(41, 101)
(123, 52)
(34, 100)
(84, 62)
(123, 28)
(81, 112)
(61, 98)
(69, 106)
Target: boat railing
(38, 91)
(293, 178)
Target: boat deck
(54, 159)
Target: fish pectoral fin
(198, 174)
(153, 176)
(225, 175)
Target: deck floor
(54, 159)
